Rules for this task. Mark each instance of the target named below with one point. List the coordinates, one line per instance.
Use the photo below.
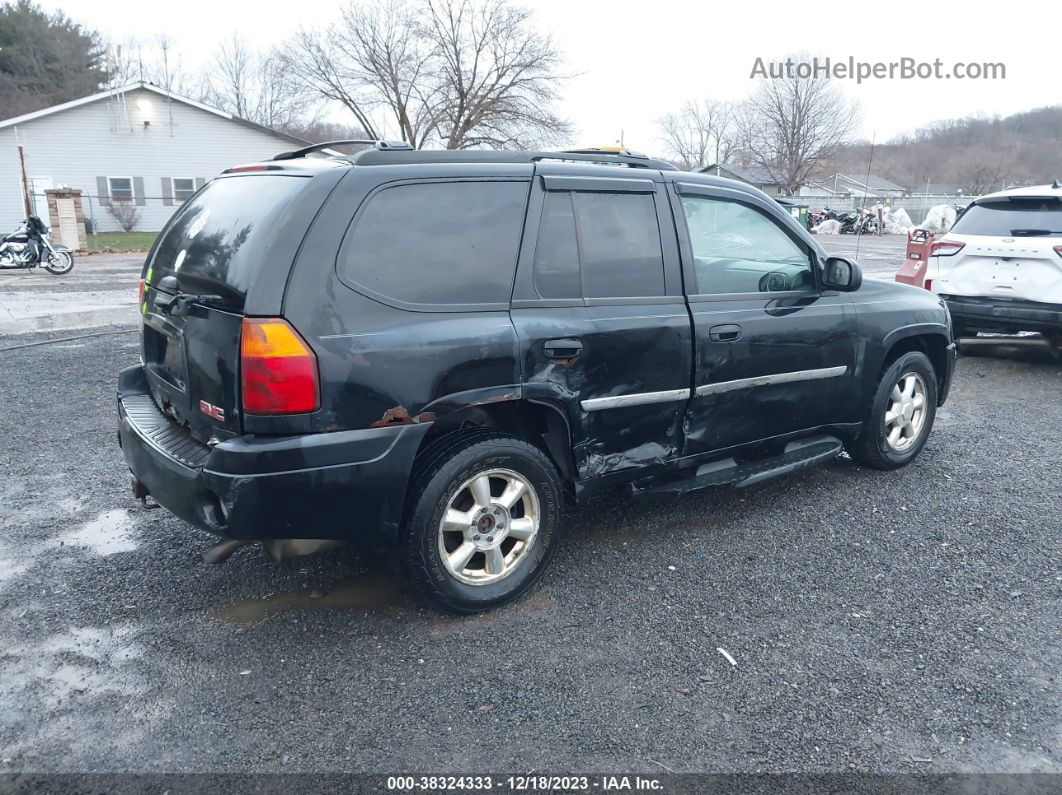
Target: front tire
(900, 416)
(60, 263)
(484, 516)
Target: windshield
(1012, 218)
(217, 242)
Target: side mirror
(842, 274)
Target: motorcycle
(848, 222)
(29, 246)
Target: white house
(138, 144)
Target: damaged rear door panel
(604, 332)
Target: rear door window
(619, 245)
(219, 239)
(1012, 218)
(437, 244)
(598, 245)
(556, 269)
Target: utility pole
(26, 203)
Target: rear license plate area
(164, 354)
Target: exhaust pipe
(140, 491)
(277, 548)
(223, 550)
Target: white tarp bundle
(829, 227)
(898, 222)
(939, 218)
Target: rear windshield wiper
(1032, 232)
(178, 304)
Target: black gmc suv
(433, 352)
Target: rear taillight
(928, 284)
(1058, 250)
(140, 294)
(278, 371)
(945, 248)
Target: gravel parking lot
(903, 621)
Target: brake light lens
(928, 284)
(945, 248)
(140, 293)
(1058, 250)
(252, 167)
(278, 371)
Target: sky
(632, 62)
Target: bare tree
(789, 125)
(317, 131)
(498, 76)
(699, 134)
(983, 169)
(149, 60)
(395, 63)
(462, 73)
(125, 214)
(255, 86)
(376, 57)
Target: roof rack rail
(376, 157)
(382, 145)
(596, 155)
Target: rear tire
(484, 516)
(900, 417)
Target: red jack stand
(919, 247)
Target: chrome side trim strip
(635, 399)
(771, 380)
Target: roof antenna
(1056, 184)
(866, 187)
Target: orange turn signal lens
(278, 370)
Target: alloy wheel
(905, 414)
(488, 527)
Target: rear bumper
(345, 485)
(1000, 315)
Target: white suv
(1000, 267)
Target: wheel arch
(930, 339)
(537, 421)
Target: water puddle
(107, 534)
(371, 592)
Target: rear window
(220, 237)
(1012, 218)
(437, 244)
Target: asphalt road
(903, 621)
(880, 256)
(100, 290)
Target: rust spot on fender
(393, 416)
(400, 416)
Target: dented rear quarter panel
(382, 365)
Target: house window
(183, 189)
(120, 188)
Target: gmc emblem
(214, 412)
